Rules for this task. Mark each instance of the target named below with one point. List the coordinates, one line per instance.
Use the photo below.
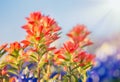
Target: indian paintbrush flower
(37, 49)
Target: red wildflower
(86, 42)
(3, 46)
(25, 43)
(37, 38)
(47, 22)
(40, 27)
(90, 58)
(81, 64)
(56, 51)
(34, 17)
(26, 27)
(70, 46)
(55, 36)
(30, 32)
(83, 58)
(78, 33)
(56, 28)
(51, 48)
(80, 56)
(61, 56)
(14, 46)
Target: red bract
(80, 56)
(25, 43)
(14, 46)
(78, 33)
(47, 22)
(70, 46)
(85, 43)
(83, 58)
(34, 18)
(59, 56)
(3, 46)
(51, 38)
(51, 48)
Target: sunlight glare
(114, 5)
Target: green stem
(38, 70)
(75, 67)
(70, 72)
(2, 79)
(18, 71)
(38, 74)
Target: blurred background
(102, 18)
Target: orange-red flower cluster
(41, 28)
(84, 58)
(15, 46)
(15, 52)
(79, 35)
(72, 50)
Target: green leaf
(32, 57)
(65, 80)
(41, 64)
(75, 78)
(13, 65)
(12, 71)
(2, 53)
(75, 67)
(87, 67)
(15, 54)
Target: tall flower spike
(78, 33)
(13, 46)
(40, 27)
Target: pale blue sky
(95, 14)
